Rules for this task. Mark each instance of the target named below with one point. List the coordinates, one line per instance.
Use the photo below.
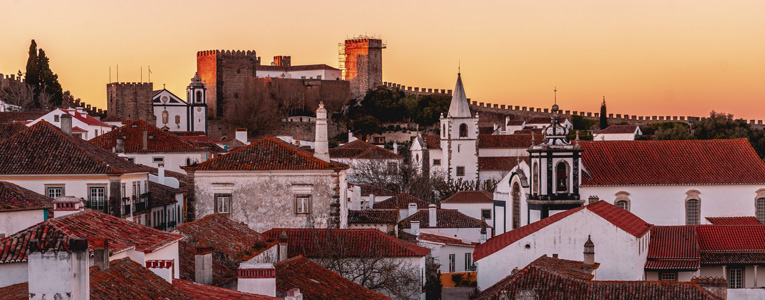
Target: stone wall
(224, 73)
(130, 100)
(363, 64)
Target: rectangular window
(97, 198)
(130, 159)
(668, 276)
(436, 162)
(158, 159)
(468, 261)
(318, 77)
(460, 171)
(451, 262)
(303, 204)
(54, 191)
(223, 203)
(124, 190)
(486, 214)
(736, 278)
(56, 118)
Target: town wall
(130, 100)
(224, 73)
(363, 64)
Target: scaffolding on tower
(341, 59)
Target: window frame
(484, 213)
(307, 208)
(158, 159)
(460, 171)
(222, 200)
(667, 276)
(452, 262)
(463, 130)
(436, 162)
(105, 197)
(692, 212)
(55, 186)
(732, 283)
(468, 261)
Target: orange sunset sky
(646, 57)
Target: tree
(33, 73)
(18, 94)
(673, 131)
(47, 91)
(366, 126)
(433, 285)
(603, 115)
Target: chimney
(203, 265)
(593, 199)
(412, 209)
(395, 147)
(415, 227)
(589, 252)
(53, 274)
(283, 246)
(66, 124)
(161, 173)
(66, 205)
(120, 148)
(145, 139)
(257, 278)
(483, 231)
(294, 294)
(370, 202)
(356, 198)
(162, 267)
(321, 144)
(241, 135)
(101, 253)
(495, 126)
(351, 138)
(432, 216)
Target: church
(174, 114)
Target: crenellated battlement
(91, 110)
(226, 53)
(130, 84)
(365, 41)
(409, 90)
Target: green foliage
(580, 123)
(433, 287)
(584, 135)
(722, 126)
(366, 125)
(388, 106)
(44, 83)
(673, 131)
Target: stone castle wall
(363, 64)
(224, 73)
(130, 100)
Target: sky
(648, 57)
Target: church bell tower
(196, 95)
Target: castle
(362, 64)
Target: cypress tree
(48, 80)
(603, 115)
(33, 76)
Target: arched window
(561, 177)
(622, 200)
(692, 207)
(760, 210)
(623, 204)
(177, 119)
(188, 161)
(535, 179)
(165, 117)
(463, 130)
(516, 194)
(199, 97)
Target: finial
(163, 86)
(459, 67)
(555, 91)
(577, 137)
(604, 99)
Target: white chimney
(495, 126)
(589, 251)
(162, 267)
(370, 202)
(120, 148)
(161, 173)
(432, 216)
(412, 209)
(66, 124)
(294, 294)
(283, 246)
(321, 143)
(203, 272)
(241, 135)
(145, 139)
(395, 147)
(415, 227)
(55, 274)
(257, 278)
(66, 205)
(351, 138)
(356, 198)
(80, 109)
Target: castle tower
(196, 94)
(130, 101)
(459, 137)
(224, 73)
(555, 170)
(363, 64)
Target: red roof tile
(180, 176)
(268, 154)
(504, 141)
(673, 248)
(470, 197)
(359, 149)
(444, 240)
(19, 291)
(162, 195)
(618, 217)
(225, 235)
(55, 234)
(733, 221)
(19, 116)
(84, 117)
(401, 201)
(367, 189)
(158, 140)
(126, 279)
(15, 198)
(505, 163)
(208, 292)
(78, 129)
(373, 216)
(317, 282)
(619, 129)
(445, 218)
(345, 243)
(672, 162)
(9, 129)
(740, 238)
(45, 149)
(432, 141)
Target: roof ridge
(75, 143)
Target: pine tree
(603, 115)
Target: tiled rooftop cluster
(359, 149)
(157, 140)
(313, 243)
(688, 247)
(401, 201)
(14, 198)
(445, 218)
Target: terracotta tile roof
(734, 221)
(229, 237)
(515, 123)
(401, 201)
(222, 275)
(485, 129)
(505, 141)
(205, 142)
(470, 197)
(672, 162)
(45, 149)
(9, 129)
(19, 291)
(572, 280)
(359, 149)
(317, 282)
(208, 292)
(619, 129)
(505, 163)
(673, 248)
(739, 238)
(346, 243)
(158, 140)
(162, 195)
(268, 154)
(536, 132)
(20, 116)
(432, 141)
(15, 198)
(84, 117)
(445, 218)
(55, 234)
(367, 189)
(126, 279)
(373, 216)
(618, 217)
(78, 129)
(444, 240)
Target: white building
(618, 133)
(21, 208)
(454, 255)
(143, 143)
(174, 114)
(83, 125)
(475, 204)
(446, 222)
(282, 67)
(620, 241)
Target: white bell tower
(196, 95)
(459, 137)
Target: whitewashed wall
(15, 221)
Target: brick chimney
(257, 278)
(162, 267)
(589, 252)
(101, 253)
(321, 142)
(66, 124)
(57, 274)
(593, 199)
(283, 246)
(432, 219)
(203, 272)
(67, 205)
